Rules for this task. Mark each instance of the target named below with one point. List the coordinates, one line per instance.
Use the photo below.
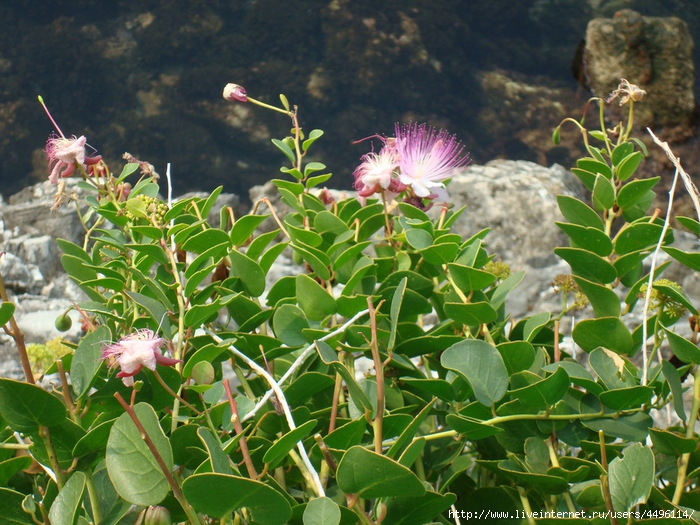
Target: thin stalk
(17, 335)
(93, 497)
(379, 376)
(689, 433)
(526, 506)
(45, 436)
(236, 420)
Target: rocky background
(147, 77)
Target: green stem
(379, 376)
(53, 459)
(94, 498)
(690, 432)
(526, 506)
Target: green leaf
(372, 475)
(409, 511)
(633, 191)
(284, 148)
(321, 511)
(7, 309)
(683, 349)
(628, 165)
(631, 477)
(313, 299)
(588, 265)
(607, 332)
(472, 428)
(394, 311)
(317, 260)
(276, 454)
(673, 379)
(534, 324)
(419, 239)
(25, 407)
(219, 460)
(469, 279)
(87, 359)
(66, 507)
(671, 443)
(543, 393)
(159, 314)
(610, 368)
(638, 236)
(577, 212)
(621, 151)
(482, 365)
(314, 135)
(594, 167)
(588, 238)
(132, 468)
(288, 322)
(603, 196)
(244, 228)
(626, 398)
(689, 259)
(471, 314)
(217, 495)
(604, 301)
(11, 508)
(249, 272)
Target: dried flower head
(134, 351)
(235, 92)
(626, 92)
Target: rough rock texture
(653, 52)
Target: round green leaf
(25, 406)
(626, 398)
(608, 332)
(372, 475)
(249, 272)
(322, 511)
(288, 322)
(633, 191)
(628, 165)
(133, 470)
(482, 365)
(219, 494)
(543, 393)
(603, 196)
(86, 359)
(604, 301)
(637, 237)
(682, 348)
(587, 237)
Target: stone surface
(654, 53)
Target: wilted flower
(376, 172)
(134, 351)
(65, 155)
(626, 92)
(235, 92)
(427, 157)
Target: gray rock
(652, 52)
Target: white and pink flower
(134, 351)
(65, 155)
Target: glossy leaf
(628, 165)
(288, 322)
(7, 309)
(280, 448)
(606, 332)
(579, 213)
(631, 193)
(249, 272)
(219, 494)
(313, 299)
(638, 236)
(588, 265)
(603, 195)
(588, 238)
(25, 407)
(482, 365)
(372, 475)
(683, 349)
(604, 301)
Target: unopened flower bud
(235, 92)
(157, 516)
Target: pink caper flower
(235, 92)
(65, 155)
(134, 351)
(427, 157)
(376, 172)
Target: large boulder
(654, 53)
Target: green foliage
(463, 407)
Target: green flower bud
(63, 323)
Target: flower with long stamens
(134, 351)
(376, 172)
(65, 155)
(427, 157)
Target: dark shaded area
(147, 79)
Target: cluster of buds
(144, 207)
